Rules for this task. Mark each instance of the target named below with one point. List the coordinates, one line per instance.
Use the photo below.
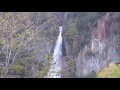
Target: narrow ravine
(55, 68)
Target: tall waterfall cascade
(55, 67)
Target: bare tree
(17, 30)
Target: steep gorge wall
(102, 48)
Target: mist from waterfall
(55, 68)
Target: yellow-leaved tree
(113, 71)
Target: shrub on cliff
(90, 52)
(118, 49)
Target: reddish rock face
(103, 31)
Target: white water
(55, 68)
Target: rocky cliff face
(102, 49)
(97, 43)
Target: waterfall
(55, 68)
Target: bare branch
(14, 56)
